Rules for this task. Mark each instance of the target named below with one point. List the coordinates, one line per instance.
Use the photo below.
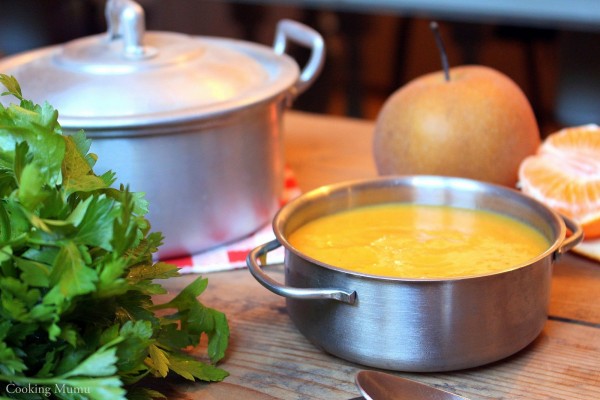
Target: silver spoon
(374, 385)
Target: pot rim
(554, 249)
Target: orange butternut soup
(419, 241)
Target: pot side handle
(287, 291)
(305, 36)
(571, 241)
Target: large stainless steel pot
(416, 324)
(194, 122)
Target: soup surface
(419, 241)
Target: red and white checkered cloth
(233, 256)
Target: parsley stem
(5, 230)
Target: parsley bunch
(77, 319)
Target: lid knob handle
(125, 19)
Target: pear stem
(440, 44)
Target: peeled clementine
(565, 175)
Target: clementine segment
(565, 175)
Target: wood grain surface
(269, 359)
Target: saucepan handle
(571, 241)
(286, 291)
(307, 37)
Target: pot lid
(129, 77)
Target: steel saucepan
(416, 325)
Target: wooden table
(269, 359)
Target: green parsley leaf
(70, 274)
(12, 86)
